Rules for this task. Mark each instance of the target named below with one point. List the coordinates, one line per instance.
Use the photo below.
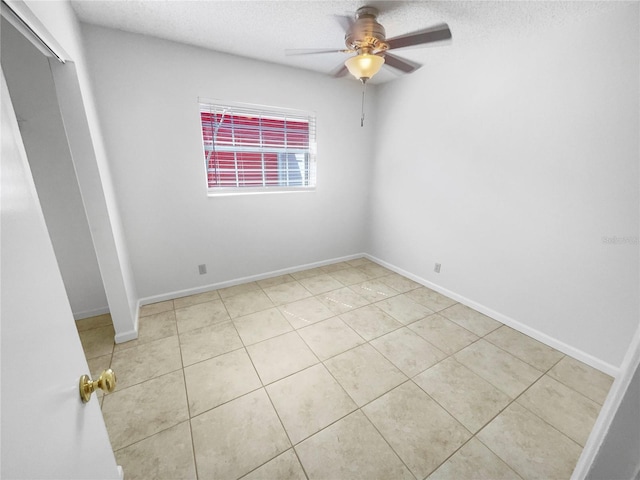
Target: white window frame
(264, 112)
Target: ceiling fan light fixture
(364, 66)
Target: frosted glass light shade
(364, 65)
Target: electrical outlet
(437, 268)
(202, 269)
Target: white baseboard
(238, 281)
(130, 334)
(126, 336)
(516, 325)
(90, 313)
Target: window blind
(254, 147)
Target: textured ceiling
(264, 29)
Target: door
(47, 432)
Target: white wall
(34, 99)
(508, 163)
(84, 135)
(147, 91)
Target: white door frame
(93, 180)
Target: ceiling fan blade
(400, 63)
(313, 51)
(429, 35)
(340, 71)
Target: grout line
(500, 458)
(275, 410)
(304, 470)
(279, 419)
(193, 450)
(186, 393)
(150, 436)
(538, 416)
(380, 433)
(224, 403)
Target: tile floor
(339, 372)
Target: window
(250, 148)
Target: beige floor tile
(154, 308)
(444, 334)
(238, 289)
(502, 370)
(351, 448)
(252, 436)
(399, 283)
(201, 315)
(356, 262)
(342, 300)
(430, 299)
(97, 341)
(309, 401)
(305, 312)
(270, 282)
(150, 360)
(285, 466)
(421, 432)
(195, 299)
(137, 412)
(334, 267)
(370, 321)
(373, 270)
(408, 351)
(374, 290)
(208, 342)
(150, 328)
(310, 272)
(165, 455)
(470, 319)
(350, 276)
(529, 445)
(286, 293)
(246, 303)
(94, 322)
(582, 378)
(281, 356)
(404, 309)
(470, 399)
(321, 283)
(364, 373)
(569, 411)
(330, 337)
(260, 326)
(474, 460)
(525, 348)
(218, 380)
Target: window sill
(231, 192)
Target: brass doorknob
(106, 381)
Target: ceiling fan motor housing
(366, 35)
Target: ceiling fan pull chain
(364, 89)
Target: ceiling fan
(367, 38)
